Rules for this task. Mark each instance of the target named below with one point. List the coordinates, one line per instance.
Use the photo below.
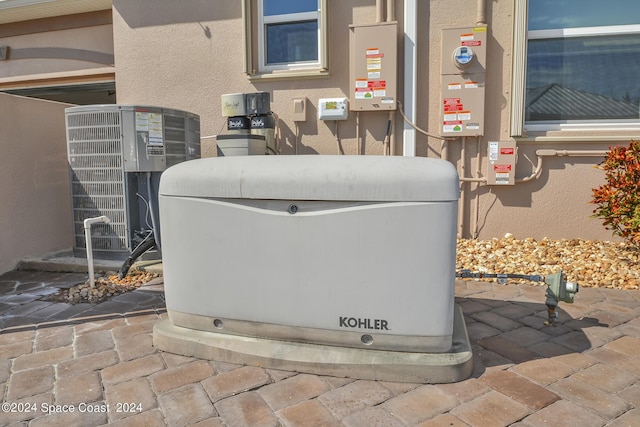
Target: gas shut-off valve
(558, 289)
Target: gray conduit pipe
(391, 10)
(476, 205)
(481, 18)
(461, 205)
(379, 11)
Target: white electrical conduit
(552, 153)
(87, 237)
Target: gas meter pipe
(558, 289)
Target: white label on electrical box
(332, 109)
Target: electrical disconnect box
(463, 81)
(373, 66)
(333, 109)
(502, 163)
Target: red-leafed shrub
(618, 201)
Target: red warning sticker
(502, 168)
(507, 151)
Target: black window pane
(583, 78)
(292, 42)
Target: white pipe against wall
(89, 246)
(552, 153)
(410, 75)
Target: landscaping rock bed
(105, 288)
(590, 263)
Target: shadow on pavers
(506, 332)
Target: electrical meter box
(373, 66)
(463, 81)
(502, 163)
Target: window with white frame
(290, 34)
(582, 64)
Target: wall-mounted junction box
(333, 108)
(373, 66)
(502, 163)
(300, 110)
(463, 81)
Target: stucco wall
(56, 51)
(35, 213)
(186, 57)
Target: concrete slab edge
(432, 368)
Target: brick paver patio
(101, 365)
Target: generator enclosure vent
(116, 154)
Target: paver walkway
(101, 364)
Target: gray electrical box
(116, 154)
(373, 70)
(463, 81)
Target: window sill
(576, 137)
(289, 75)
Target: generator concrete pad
(453, 366)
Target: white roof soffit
(25, 10)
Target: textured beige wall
(35, 213)
(186, 57)
(95, 39)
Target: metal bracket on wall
(4, 53)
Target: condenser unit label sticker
(142, 122)
(473, 126)
(454, 86)
(149, 127)
(466, 37)
(155, 129)
(471, 85)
